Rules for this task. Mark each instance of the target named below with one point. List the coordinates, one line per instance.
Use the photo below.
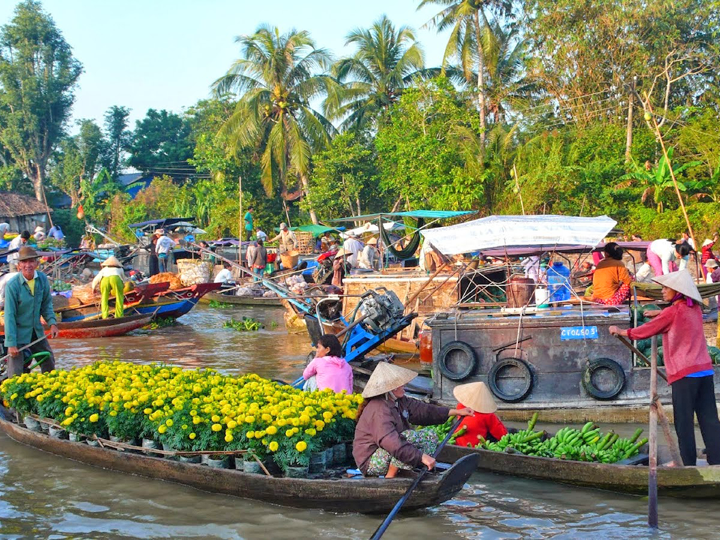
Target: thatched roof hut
(22, 212)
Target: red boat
(98, 328)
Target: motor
(380, 311)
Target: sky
(165, 54)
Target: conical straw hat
(477, 396)
(681, 282)
(111, 261)
(385, 378)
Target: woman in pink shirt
(329, 368)
(687, 362)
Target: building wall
(25, 223)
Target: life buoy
(523, 371)
(457, 361)
(616, 372)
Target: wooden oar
(38, 340)
(385, 524)
(652, 465)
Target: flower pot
(219, 462)
(32, 424)
(296, 472)
(251, 466)
(57, 433)
(169, 448)
(77, 437)
(318, 462)
(339, 454)
(92, 442)
(131, 442)
(190, 459)
(329, 457)
(45, 428)
(151, 444)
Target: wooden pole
(517, 187)
(652, 476)
(240, 219)
(629, 133)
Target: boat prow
(364, 495)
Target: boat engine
(380, 310)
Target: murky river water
(43, 496)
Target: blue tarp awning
(425, 214)
(160, 223)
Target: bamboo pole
(240, 220)
(652, 474)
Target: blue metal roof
(426, 214)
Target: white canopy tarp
(519, 231)
(370, 227)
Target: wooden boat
(255, 301)
(399, 345)
(99, 328)
(702, 482)
(365, 495)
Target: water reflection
(43, 496)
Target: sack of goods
(244, 291)
(168, 277)
(84, 293)
(194, 271)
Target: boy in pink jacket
(329, 368)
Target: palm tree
(467, 19)
(277, 78)
(373, 78)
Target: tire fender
(610, 365)
(525, 371)
(462, 348)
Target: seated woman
(328, 369)
(385, 440)
(482, 424)
(611, 280)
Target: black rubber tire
(603, 363)
(467, 370)
(524, 368)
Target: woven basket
(194, 271)
(289, 259)
(305, 242)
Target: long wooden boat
(255, 301)
(365, 495)
(99, 328)
(701, 482)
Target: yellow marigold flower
(249, 419)
(228, 438)
(319, 425)
(216, 427)
(215, 418)
(69, 411)
(250, 434)
(273, 446)
(232, 424)
(162, 429)
(192, 436)
(271, 430)
(147, 411)
(196, 419)
(94, 418)
(169, 422)
(289, 433)
(301, 446)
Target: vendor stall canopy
(424, 214)
(545, 232)
(148, 227)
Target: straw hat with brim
(681, 282)
(477, 396)
(385, 378)
(711, 263)
(707, 242)
(111, 261)
(27, 254)
(340, 252)
(372, 241)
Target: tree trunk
(306, 188)
(480, 78)
(629, 134)
(37, 182)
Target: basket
(194, 271)
(167, 277)
(289, 259)
(305, 243)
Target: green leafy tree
(277, 78)
(345, 178)
(373, 78)
(118, 138)
(38, 75)
(78, 160)
(97, 193)
(161, 144)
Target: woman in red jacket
(687, 363)
(482, 423)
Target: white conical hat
(477, 396)
(385, 378)
(681, 282)
(111, 261)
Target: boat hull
(365, 495)
(687, 482)
(255, 301)
(100, 328)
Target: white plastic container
(541, 297)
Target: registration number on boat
(578, 332)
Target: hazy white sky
(165, 54)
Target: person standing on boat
(338, 268)
(687, 363)
(328, 369)
(249, 223)
(611, 279)
(353, 247)
(483, 423)
(369, 256)
(17, 243)
(111, 280)
(153, 262)
(662, 254)
(259, 262)
(163, 248)
(56, 233)
(225, 275)
(286, 239)
(385, 440)
(27, 298)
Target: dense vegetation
(541, 106)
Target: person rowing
(385, 439)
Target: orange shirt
(609, 275)
(479, 424)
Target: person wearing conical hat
(369, 255)
(483, 423)
(385, 439)
(339, 268)
(687, 363)
(111, 280)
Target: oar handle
(385, 524)
(640, 355)
(38, 340)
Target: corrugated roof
(16, 204)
